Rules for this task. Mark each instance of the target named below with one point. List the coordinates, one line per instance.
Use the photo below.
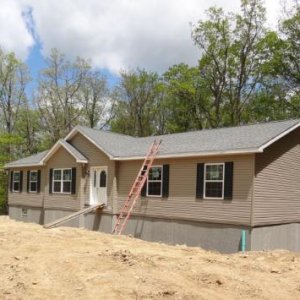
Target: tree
(57, 97)
(95, 99)
(138, 96)
(230, 65)
(280, 70)
(185, 102)
(213, 38)
(7, 140)
(290, 63)
(28, 127)
(290, 32)
(13, 79)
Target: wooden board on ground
(73, 215)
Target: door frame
(93, 201)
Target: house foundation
(209, 236)
(219, 237)
(282, 236)
(33, 214)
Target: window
(154, 182)
(24, 212)
(16, 181)
(103, 179)
(62, 179)
(214, 181)
(33, 181)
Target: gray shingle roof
(112, 143)
(204, 142)
(247, 137)
(30, 160)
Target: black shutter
(50, 180)
(28, 175)
(165, 189)
(38, 188)
(228, 180)
(21, 181)
(73, 190)
(144, 188)
(143, 191)
(11, 180)
(200, 181)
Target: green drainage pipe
(243, 241)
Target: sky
(114, 34)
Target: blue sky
(36, 62)
(114, 35)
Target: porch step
(73, 215)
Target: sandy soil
(65, 263)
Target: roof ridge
(190, 131)
(106, 131)
(221, 128)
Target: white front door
(98, 185)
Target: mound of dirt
(67, 263)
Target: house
(206, 188)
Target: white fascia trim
(71, 133)
(75, 130)
(54, 149)
(194, 154)
(278, 137)
(24, 166)
(77, 160)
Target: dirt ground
(66, 263)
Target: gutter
(193, 154)
(180, 155)
(23, 166)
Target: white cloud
(118, 34)
(14, 34)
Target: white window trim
(223, 181)
(36, 181)
(13, 182)
(61, 181)
(161, 182)
(23, 214)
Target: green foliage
(9, 150)
(231, 60)
(185, 99)
(13, 79)
(138, 99)
(9, 147)
(290, 28)
(3, 191)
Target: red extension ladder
(136, 189)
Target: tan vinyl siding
(62, 159)
(27, 198)
(182, 202)
(96, 158)
(277, 182)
